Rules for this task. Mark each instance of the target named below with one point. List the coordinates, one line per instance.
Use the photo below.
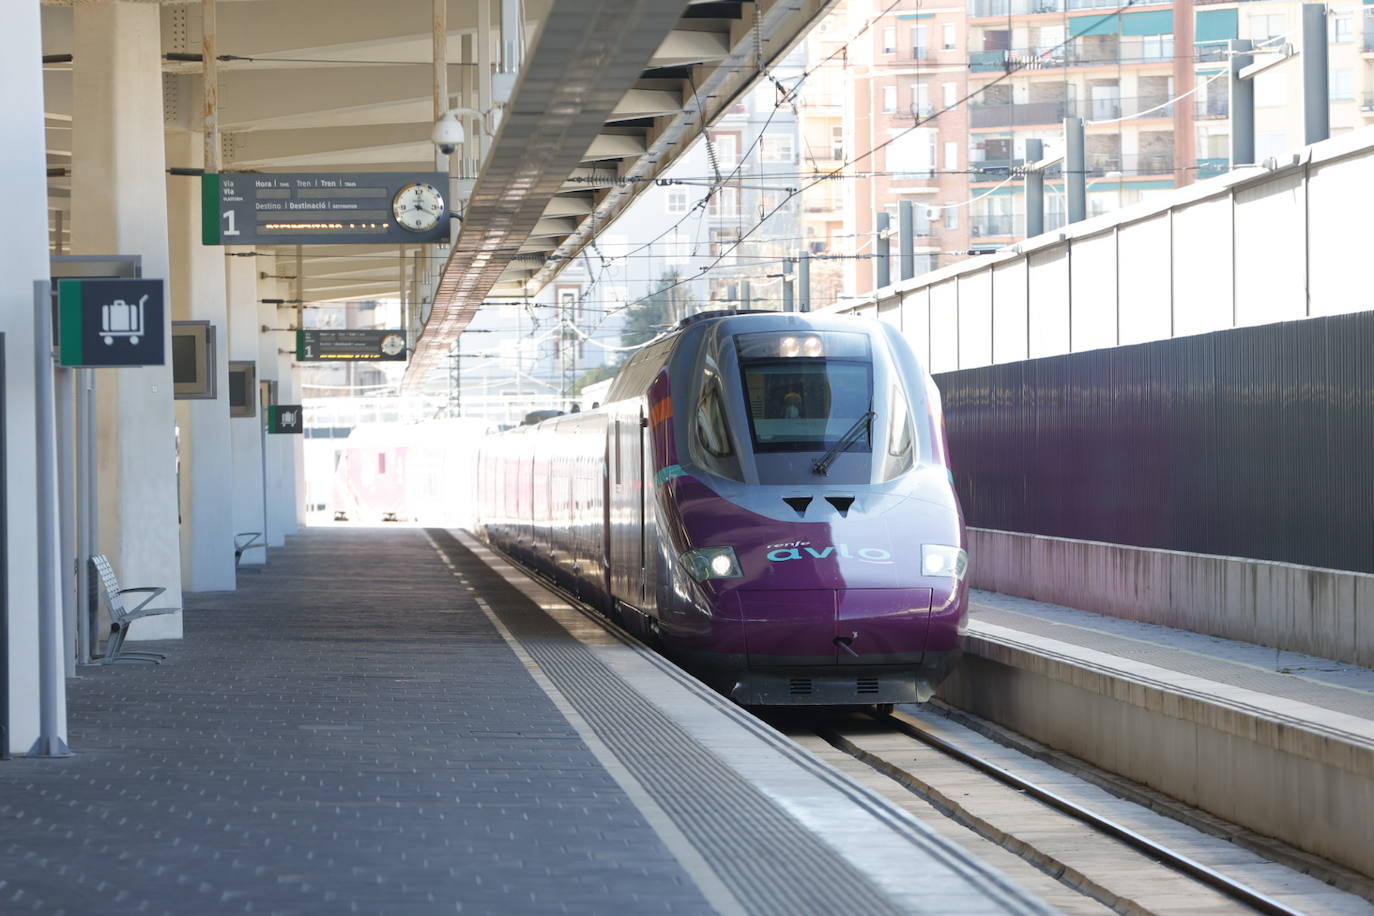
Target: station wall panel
(1340, 198)
(1271, 251)
(916, 323)
(1251, 442)
(1201, 254)
(1093, 278)
(1009, 341)
(944, 327)
(1144, 288)
(1049, 302)
(975, 319)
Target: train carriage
(765, 496)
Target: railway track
(1104, 854)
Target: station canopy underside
(610, 93)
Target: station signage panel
(285, 418)
(110, 323)
(329, 344)
(333, 208)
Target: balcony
(1368, 43)
(1133, 165)
(1367, 103)
(994, 169)
(986, 9)
(913, 115)
(1210, 108)
(999, 225)
(1019, 115)
(1151, 106)
(1210, 168)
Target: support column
(245, 435)
(269, 370)
(119, 206)
(23, 259)
(198, 294)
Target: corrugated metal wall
(1255, 442)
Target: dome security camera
(448, 133)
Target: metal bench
(121, 617)
(245, 541)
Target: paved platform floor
(381, 722)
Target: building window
(950, 214)
(920, 100)
(724, 203)
(677, 200)
(951, 91)
(950, 37)
(951, 155)
(889, 40)
(918, 42)
(1342, 85)
(779, 148)
(837, 142)
(889, 99)
(1270, 26)
(1342, 28)
(723, 245)
(727, 149)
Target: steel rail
(1175, 860)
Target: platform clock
(418, 207)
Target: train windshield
(805, 391)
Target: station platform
(395, 721)
(1273, 750)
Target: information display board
(110, 323)
(285, 418)
(261, 208)
(328, 344)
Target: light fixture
(502, 87)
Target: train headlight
(800, 346)
(940, 560)
(712, 563)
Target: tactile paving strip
(768, 860)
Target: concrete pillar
(269, 370)
(294, 456)
(198, 294)
(23, 259)
(245, 433)
(119, 206)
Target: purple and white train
(766, 497)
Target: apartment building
(948, 97)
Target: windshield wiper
(822, 464)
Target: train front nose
(834, 627)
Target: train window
(900, 450)
(801, 395)
(712, 430)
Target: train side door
(647, 572)
(627, 509)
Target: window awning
(1150, 22)
(1218, 25)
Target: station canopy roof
(610, 93)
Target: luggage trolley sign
(285, 418)
(261, 208)
(110, 323)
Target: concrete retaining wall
(1300, 774)
(1322, 612)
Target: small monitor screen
(238, 388)
(185, 357)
